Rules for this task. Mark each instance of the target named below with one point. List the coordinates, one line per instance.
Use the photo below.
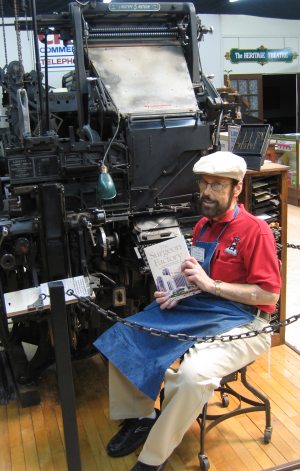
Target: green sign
(134, 6)
(261, 55)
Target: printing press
(96, 171)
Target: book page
(19, 302)
(165, 259)
(79, 284)
(29, 300)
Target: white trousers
(187, 389)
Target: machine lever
(89, 226)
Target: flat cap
(222, 164)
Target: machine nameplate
(20, 168)
(33, 169)
(134, 6)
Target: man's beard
(212, 208)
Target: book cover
(165, 259)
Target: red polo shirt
(246, 252)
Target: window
(249, 88)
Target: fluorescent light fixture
(231, 1)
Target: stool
(259, 403)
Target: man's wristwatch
(218, 287)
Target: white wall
(211, 50)
(247, 32)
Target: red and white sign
(59, 55)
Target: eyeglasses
(216, 187)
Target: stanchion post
(64, 374)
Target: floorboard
(32, 438)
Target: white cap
(222, 164)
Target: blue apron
(144, 358)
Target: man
(233, 261)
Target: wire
(113, 138)
(118, 125)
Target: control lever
(89, 226)
(4, 233)
(85, 222)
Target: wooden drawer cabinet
(265, 195)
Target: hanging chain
(112, 316)
(4, 35)
(19, 46)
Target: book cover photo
(165, 259)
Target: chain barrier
(293, 246)
(112, 316)
(181, 337)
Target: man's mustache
(209, 200)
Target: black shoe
(132, 434)
(139, 466)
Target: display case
(265, 195)
(284, 149)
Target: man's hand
(242, 293)
(195, 274)
(164, 300)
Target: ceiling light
(231, 1)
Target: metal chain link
(112, 316)
(4, 35)
(293, 246)
(19, 46)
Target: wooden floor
(32, 438)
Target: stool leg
(203, 460)
(265, 401)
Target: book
(165, 259)
(29, 300)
